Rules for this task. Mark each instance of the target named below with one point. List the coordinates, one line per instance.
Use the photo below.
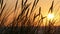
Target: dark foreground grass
(29, 30)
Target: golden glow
(50, 16)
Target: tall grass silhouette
(26, 24)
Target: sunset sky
(44, 4)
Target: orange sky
(44, 4)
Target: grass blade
(2, 9)
(51, 8)
(16, 4)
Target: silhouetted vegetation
(26, 23)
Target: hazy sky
(44, 4)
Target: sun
(50, 16)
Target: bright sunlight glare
(50, 16)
